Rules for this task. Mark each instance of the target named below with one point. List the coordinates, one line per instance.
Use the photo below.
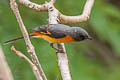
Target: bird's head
(80, 34)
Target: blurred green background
(98, 59)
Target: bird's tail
(34, 35)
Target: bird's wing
(53, 30)
(58, 30)
(42, 29)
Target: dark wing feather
(58, 30)
(40, 29)
(54, 30)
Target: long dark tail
(35, 34)
(13, 40)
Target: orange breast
(60, 40)
(53, 40)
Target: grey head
(79, 34)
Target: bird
(57, 33)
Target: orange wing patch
(45, 32)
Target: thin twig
(34, 68)
(29, 45)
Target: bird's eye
(82, 37)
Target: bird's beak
(89, 37)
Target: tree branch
(34, 6)
(5, 73)
(63, 18)
(54, 17)
(77, 19)
(34, 68)
(62, 57)
(30, 47)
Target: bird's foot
(59, 51)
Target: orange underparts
(53, 40)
